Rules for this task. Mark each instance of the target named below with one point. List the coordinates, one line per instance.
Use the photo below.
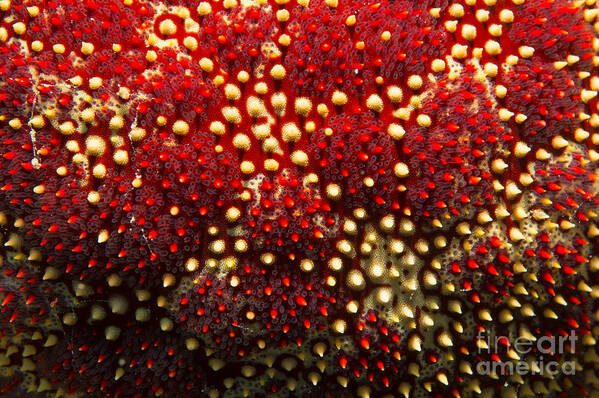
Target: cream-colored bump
(495, 30)
(516, 235)
(303, 106)
(120, 157)
(333, 191)
(95, 83)
(261, 88)
(459, 51)
(261, 131)
(339, 98)
(88, 115)
(232, 214)
(403, 113)
(271, 165)
(423, 120)
(243, 76)
(124, 93)
(87, 48)
(506, 16)
(279, 101)
(217, 128)
(463, 228)
(241, 246)
(526, 51)
(395, 93)
(192, 264)
(191, 43)
(299, 158)
(290, 132)
(95, 145)
(482, 16)
(267, 258)
(512, 190)
(415, 343)
(204, 8)
(67, 128)
(182, 12)
(206, 64)
(33, 11)
(247, 167)
(232, 92)
(500, 91)
(505, 114)
(241, 141)
(306, 265)
(587, 95)
(512, 60)
(520, 118)
(468, 32)
(151, 56)
(396, 131)
(374, 103)
(484, 217)
(99, 171)
(415, 82)
(93, 197)
(525, 179)
(36, 45)
(255, 107)
(231, 114)
(15, 124)
(401, 170)
(581, 135)
(180, 127)
(438, 65)
(451, 25)
(137, 134)
(355, 280)
(271, 144)
(72, 146)
(20, 28)
(559, 142)
(521, 149)
(491, 69)
(323, 111)
(167, 27)
(384, 295)
(116, 122)
(456, 10)
(282, 15)
(492, 47)
(335, 263)
(278, 72)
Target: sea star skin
(290, 198)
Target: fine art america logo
(527, 356)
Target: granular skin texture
(295, 198)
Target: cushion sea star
(247, 198)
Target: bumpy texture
(252, 198)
